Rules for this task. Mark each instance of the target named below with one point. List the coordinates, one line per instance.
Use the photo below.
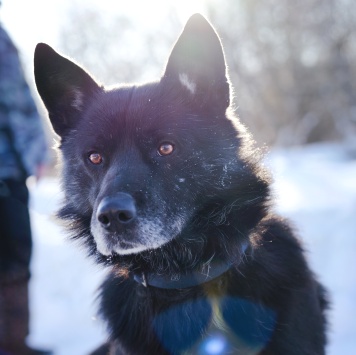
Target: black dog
(164, 187)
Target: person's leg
(15, 256)
(15, 231)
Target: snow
(64, 282)
(315, 187)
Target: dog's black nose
(116, 210)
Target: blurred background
(293, 68)
(293, 64)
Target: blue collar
(204, 273)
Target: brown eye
(95, 158)
(165, 149)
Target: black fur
(205, 201)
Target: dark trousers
(15, 255)
(15, 230)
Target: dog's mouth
(120, 247)
(140, 237)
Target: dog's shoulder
(278, 253)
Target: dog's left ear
(197, 62)
(64, 87)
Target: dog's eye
(165, 149)
(95, 158)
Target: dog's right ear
(197, 62)
(64, 87)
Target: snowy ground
(315, 187)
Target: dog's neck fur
(206, 272)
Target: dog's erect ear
(197, 61)
(63, 86)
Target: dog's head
(141, 161)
